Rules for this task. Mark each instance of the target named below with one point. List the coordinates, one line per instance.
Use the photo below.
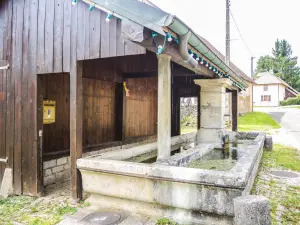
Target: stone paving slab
(126, 217)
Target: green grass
(293, 106)
(165, 221)
(257, 121)
(185, 129)
(282, 157)
(288, 198)
(33, 211)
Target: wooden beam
(119, 103)
(76, 111)
(140, 74)
(234, 95)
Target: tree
(282, 64)
(265, 64)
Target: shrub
(291, 101)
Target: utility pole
(227, 57)
(252, 67)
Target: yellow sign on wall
(49, 112)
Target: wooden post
(76, 126)
(119, 105)
(234, 95)
(164, 107)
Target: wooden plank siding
(43, 37)
(141, 107)
(103, 94)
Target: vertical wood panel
(66, 36)
(35, 171)
(26, 153)
(41, 37)
(10, 86)
(113, 37)
(49, 36)
(2, 92)
(17, 44)
(95, 34)
(142, 99)
(120, 40)
(58, 35)
(81, 11)
(104, 36)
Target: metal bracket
(4, 160)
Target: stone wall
(56, 170)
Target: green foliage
(257, 121)
(291, 101)
(165, 221)
(281, 63)
(265, 64)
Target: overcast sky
(261, 22)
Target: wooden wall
(56, 87)
(42, 37)
(102, 81)
(99, 120)
(141, 107)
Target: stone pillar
(164, 107)
(252, 210)
(213, 109)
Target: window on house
(266, 88)
(266, 98)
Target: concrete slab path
(289, 118)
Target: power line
(240, 34)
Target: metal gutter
(180, 28)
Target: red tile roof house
(80, 78)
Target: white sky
(261, 22)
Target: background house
(269, 90)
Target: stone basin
(167, 187)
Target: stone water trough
(130, 179)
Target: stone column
(213, 100)
(164, 107)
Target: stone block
(47, 172)
(6, 187)
(62, 175)
(57, 169)
(268, 145)
(62, 161)
(49, 180)
(252, 210)
(50, 164)
(67, 166)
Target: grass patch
(186, 129)
(33, 211)
(165, 221)
(257, 121)
(280, 193)
(282, 157)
